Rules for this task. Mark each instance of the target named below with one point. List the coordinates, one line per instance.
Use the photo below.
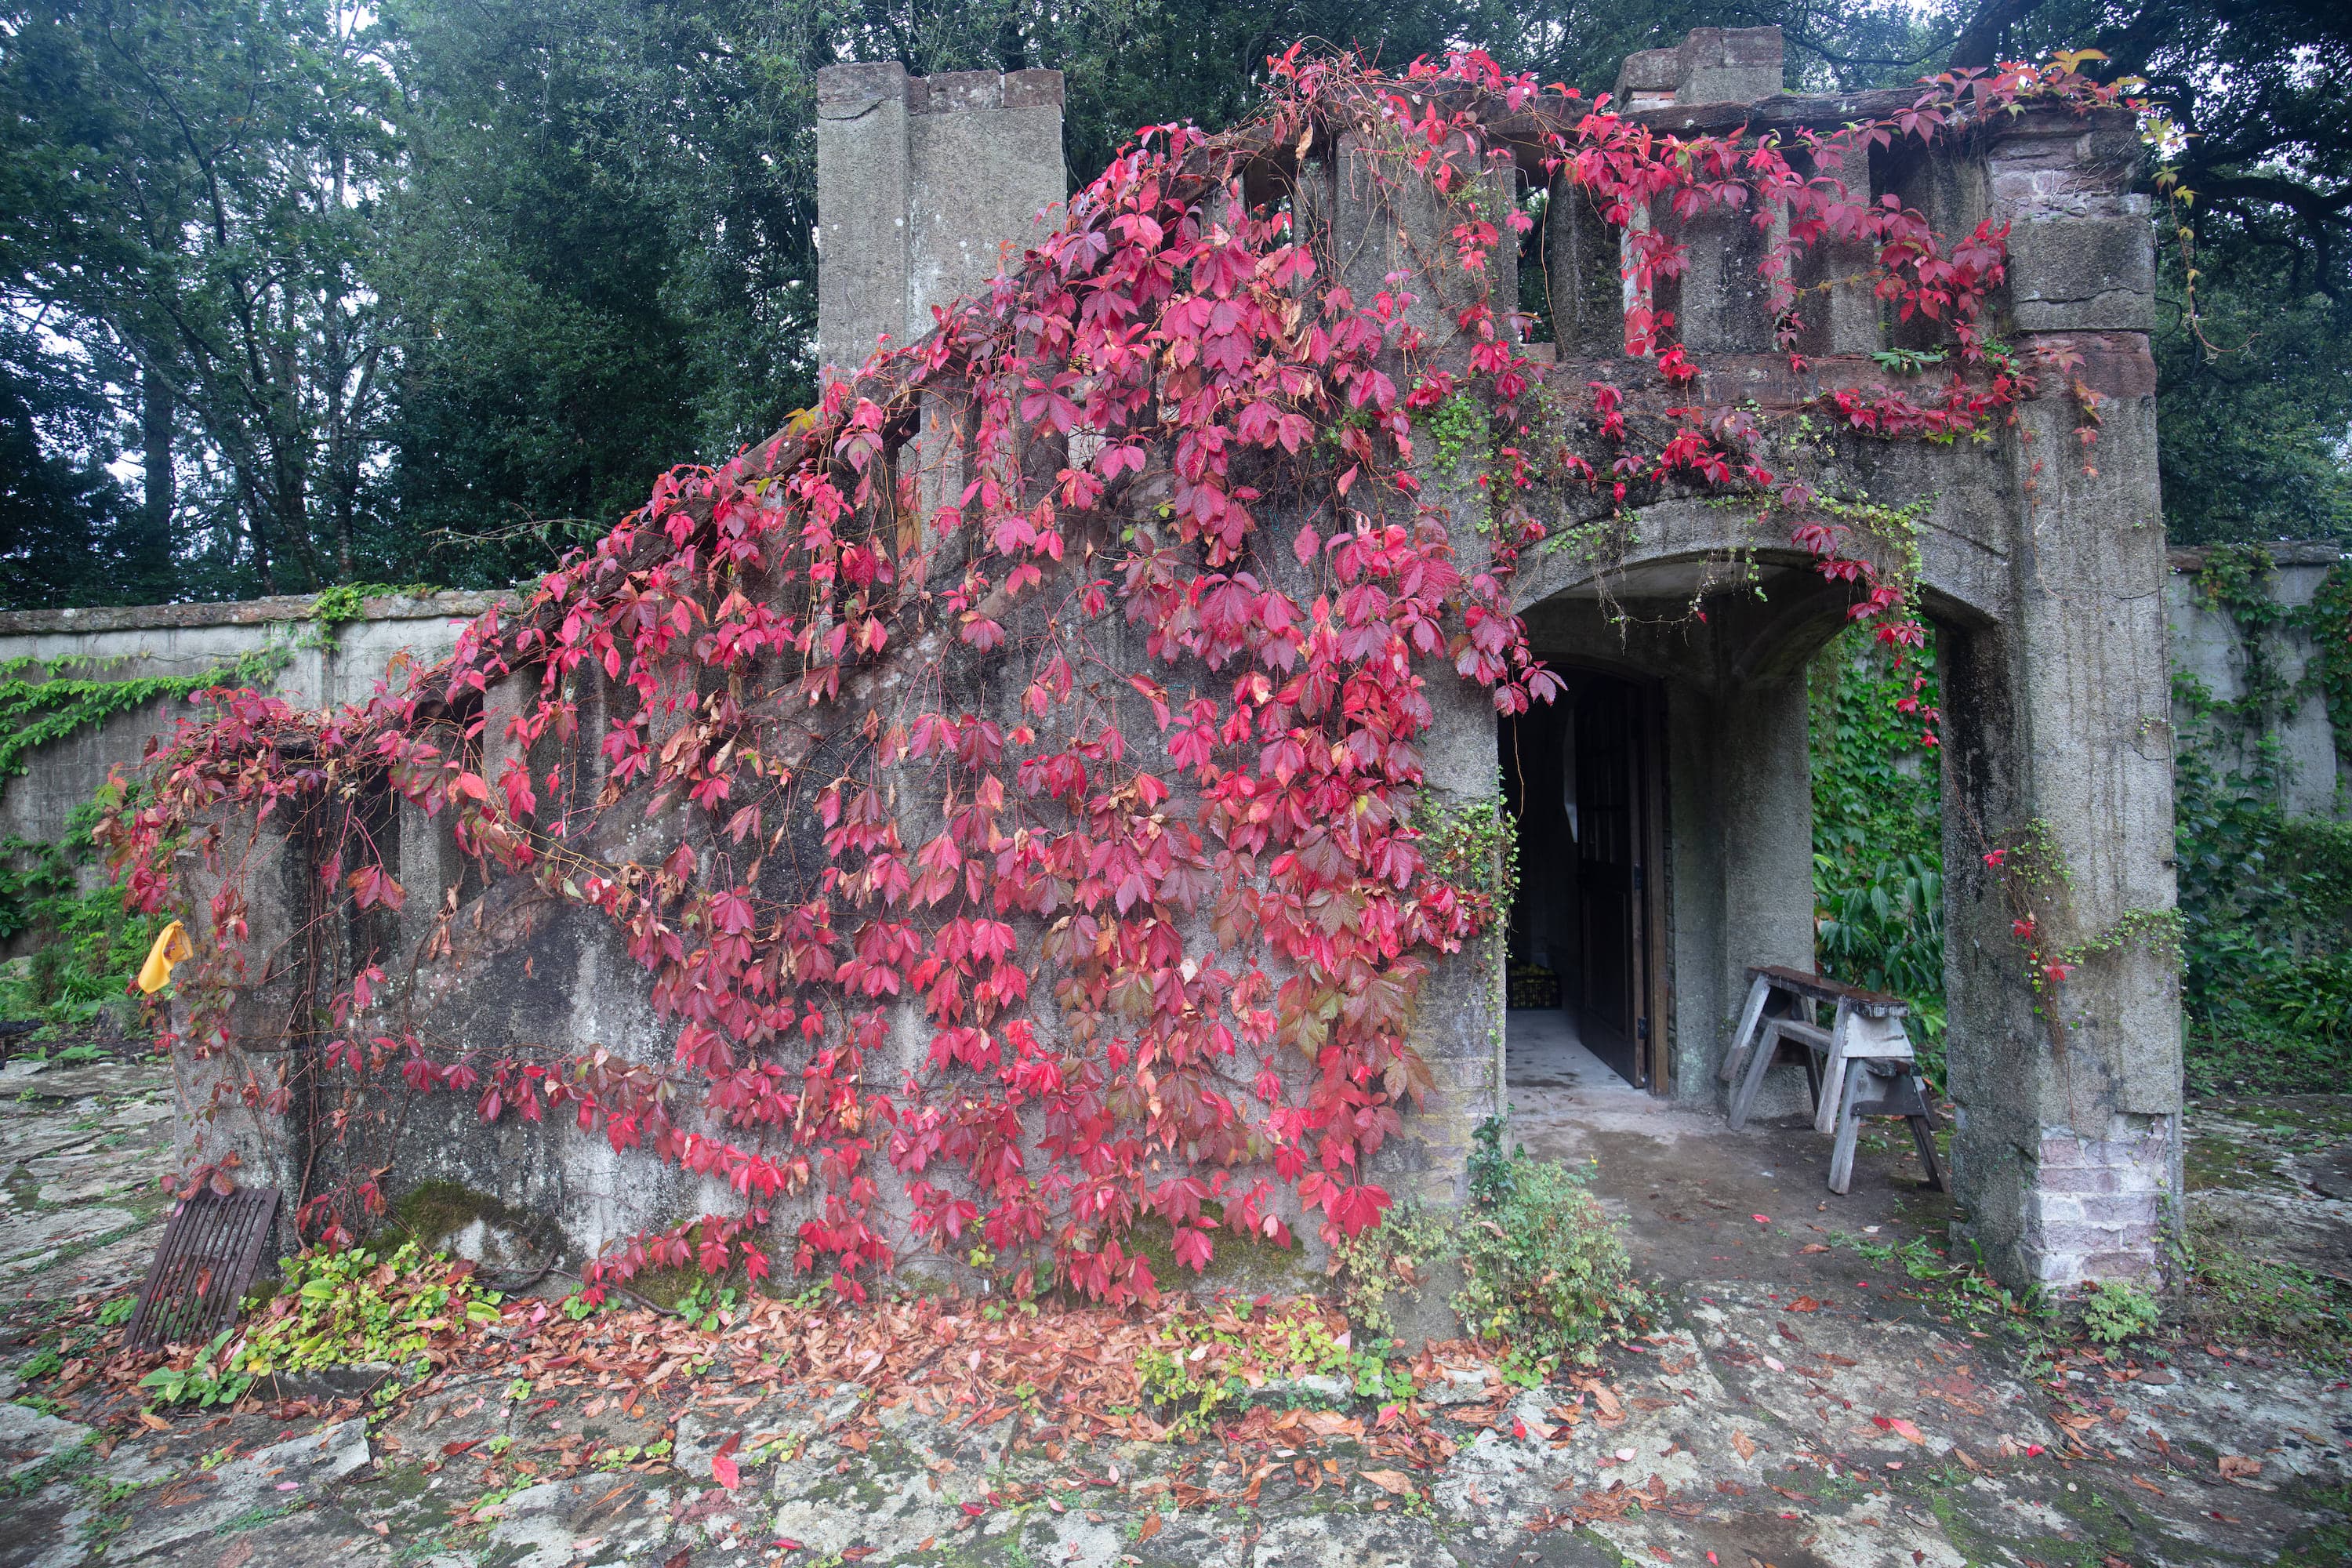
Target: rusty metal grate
(209, 1253)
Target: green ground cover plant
(1543, 1269)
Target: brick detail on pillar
(2097, 1207)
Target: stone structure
(2210, 647)
(925, 184)
(2047, 577)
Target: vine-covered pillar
(2065, 1038)
(1393, 232)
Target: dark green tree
(598, 258)
(197, 184)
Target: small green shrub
(1399, 1253)
(1544, 1268)
(2115, 1311)
(332, 1309)
(339, 1308)
(211, 1378)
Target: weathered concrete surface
(925, 186)
(2210, 648)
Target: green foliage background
(2265, 897)
(430, 290)
(1878, 851)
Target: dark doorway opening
(1580, 777)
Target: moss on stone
(431, 1211)
(1239, 1264)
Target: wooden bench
(1860, 1065)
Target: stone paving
(81, 1151)
(1798, 1404)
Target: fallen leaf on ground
(1150, 1527)
(1395, 1482)
(1743, 1444)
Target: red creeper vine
(1006, 775)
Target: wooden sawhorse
(1861, 1065)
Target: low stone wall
(318, 667)
(2212, 646)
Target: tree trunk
(149, 558)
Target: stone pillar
(861, 206)
(1712, 65)
(924, 185)
(1840, 309)
(1385, 221)
(2067, 1154)
(1719, 302)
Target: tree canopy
(298, 294)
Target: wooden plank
(1759, 1062)
(1879, 1039)
(1848, 1127)
(1923, 1138)
(1833, 1072)
(1811, 1035)
(1874, 1004)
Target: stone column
(1391, 231)
(1839, 311)
(925, 185)
(861, 205)
(2068, 1154)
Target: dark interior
(1573, 776)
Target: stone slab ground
(1818, 1389)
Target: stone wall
(127, 643)
(2211, 647)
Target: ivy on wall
(41, 704)
(88, 947)
(2265, 897)
(85, 944)
(1878, 857)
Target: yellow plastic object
(171, 947)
